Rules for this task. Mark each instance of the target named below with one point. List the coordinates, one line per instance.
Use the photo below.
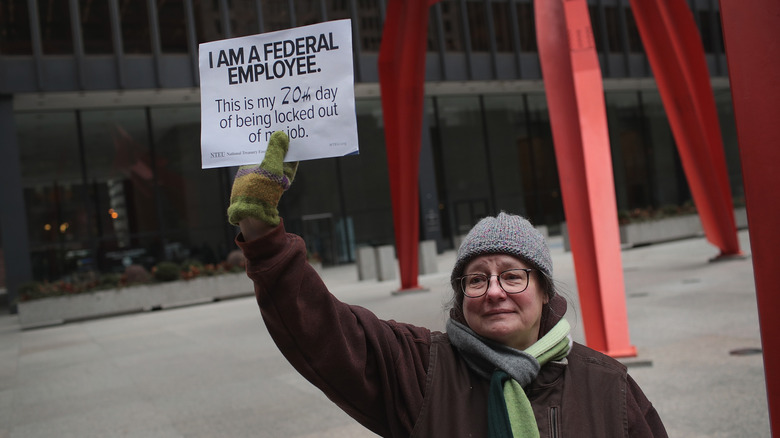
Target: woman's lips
(493, 312)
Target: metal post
(676, 54)
(575, 96)
(750, 31)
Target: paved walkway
(212, 370)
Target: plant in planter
(166, 271)
(48, 303)
(235, 262)
(73, 285)
(669, 222)
(135, 274)
(652, 214)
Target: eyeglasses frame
(498, 276)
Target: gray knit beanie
(504, 234)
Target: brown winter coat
(400, 380)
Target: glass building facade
(103, 101)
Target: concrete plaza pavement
(212, 370)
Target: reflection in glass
(478, 26)
(58, 222)
(366, 183)
(466, 176)
(538, 165)
(14, 28)
(502, 26)
(134, 17)
(208, 26)
(728, 129)
(54, 19)
(370, 26)
(669, 186)
(192, 200)
(450, 17)
(119, 170)
(95, 27)
(630, 152)
(507, 141)
(276, 15)
(172, 21)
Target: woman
(506, 366)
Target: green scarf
(509, 411)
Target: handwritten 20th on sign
(299, 81)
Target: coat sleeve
(374, 370)
(643, 419)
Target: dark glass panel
(57, 216)
(467, 195)
(630, 151)
(527, 25)
(243, 17)
(450, 17)
(613, 29)
(96, 27)
(173, 26)
(503, 27)
(634, 39)
(54, 19)
(478, 26)
(191, 198)
(134, 18)
(276, 15)
(208, 26)
(121, 177)
(14, 28)
(370, 25)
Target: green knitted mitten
(258, 188)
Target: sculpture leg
(573, 83)
(676, 54)
(401, 78)
(751, 30)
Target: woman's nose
(494, 289)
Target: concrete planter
(662, 230)
(58, 310)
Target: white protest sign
(299, 81)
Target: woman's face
(511, 319)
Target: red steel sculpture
(401, 80)
(752, 35)
(676, 55)
(575, 97)
(573, 84)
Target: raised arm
(374, 370)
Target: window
(478, 26)
(173, 26)
(634, 39)
(450, 17)
(54, 192)
(502, 27)
(54, 19)
(462, 151)
(527, 24)
(613, 29)
(96, 27)
(14, 28)
(134, 17)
